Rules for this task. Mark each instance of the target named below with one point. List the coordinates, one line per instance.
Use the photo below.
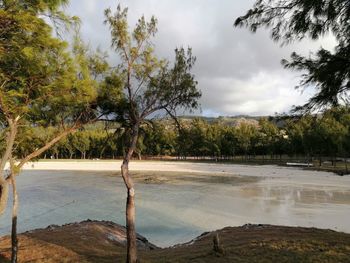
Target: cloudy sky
(238, 72)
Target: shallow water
(170, 213)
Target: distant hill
(232, 121)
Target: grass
(89, 242)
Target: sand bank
(266, 171)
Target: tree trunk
(4, 192)
(130, 203)
(14, 240)
(130, 214)
(11, 136)
(131, 229)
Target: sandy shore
(266, 171)
(171, 166)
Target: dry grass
(91, 242)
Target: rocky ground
(101, 241)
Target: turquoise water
(168, 214)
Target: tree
(198, 139)
(184, 141)
(81, 142)
(150, 85)
(213, 139)
(41, 84)
(268, 133)
(328, 134)
(228, 141)
(328, 71)
(245, 134)
(158, 139)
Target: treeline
(325, 135)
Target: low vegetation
(323, 137)
(92, 241)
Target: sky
(238, 72)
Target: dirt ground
(93, 241)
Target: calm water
(172, 213)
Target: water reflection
(169, 213)
(296, 195)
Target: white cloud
(238, 72)
(263, 94)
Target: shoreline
(258, 170)
(167, 165)
(159, 165)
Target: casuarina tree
(142, 85)
(42, 84)
(326, 70)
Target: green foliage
(111, 100)
(328, 71)
(40, 79)
(293, 19)
(34, 6)
(325, 135)
(150, 84)
(45, 86)
(158, 139)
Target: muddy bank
(101, 241)
(179, 178)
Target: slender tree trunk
(11, 136)
(130, 203)
(130, 226)
(14, 240)
(3, 195)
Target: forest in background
(318, 136)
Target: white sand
(99, 165)
(280, 174)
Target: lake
(174, 207)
